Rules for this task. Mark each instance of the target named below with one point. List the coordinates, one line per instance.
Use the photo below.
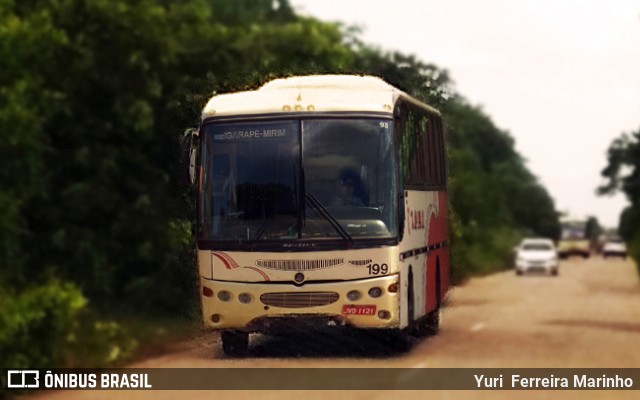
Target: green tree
(422, 80)
(96, 94)
(27, 39)
(622, 173)
(494, 195)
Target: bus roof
(314, 93)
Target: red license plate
(349, 309)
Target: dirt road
(587, 317)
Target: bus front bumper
(263, 307)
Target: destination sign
(253, 131)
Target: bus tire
(432, 322)
(429, 324)
(433, 318)
(234, 343)
(394, 340)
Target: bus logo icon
(18, 379)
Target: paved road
(588, 316)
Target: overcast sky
(562, 77)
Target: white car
(537, 255)
(614, 247)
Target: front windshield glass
(573, 231)
(349, 169)
(249, 181)
(298, 180)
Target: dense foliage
(494, 196)
(623, 173)
(93, 96)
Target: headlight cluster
(226, 296)
(374, 292)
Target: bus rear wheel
(429, 325)
(234, 343)
(432, 322)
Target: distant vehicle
(536, 255)
(574, 239)
(614, 248)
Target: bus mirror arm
(189, 153)
(400, 215)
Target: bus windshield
(574, 231)
(310, 179)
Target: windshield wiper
(313, 200)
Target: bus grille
(299, 299)
(299, 265)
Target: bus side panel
(424, 235)
(438, 255)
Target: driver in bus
(348, 186)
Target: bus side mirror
(189, 153)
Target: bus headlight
(354, 295)
(375, 292)
(244, 298)
(223, 295)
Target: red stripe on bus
(265, 276)
(228, 261)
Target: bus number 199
(375, 269)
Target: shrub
(38, 324)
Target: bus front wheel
(235, 344)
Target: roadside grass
(120, 339)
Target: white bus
(321, 201)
